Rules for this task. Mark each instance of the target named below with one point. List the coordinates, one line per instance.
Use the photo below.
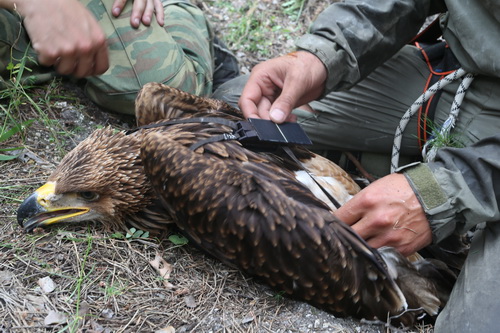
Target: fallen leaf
(180, 292)
(164, 268)
(55, 318)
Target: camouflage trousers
(179, 54)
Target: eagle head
(101, 179)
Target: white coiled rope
(429, 154)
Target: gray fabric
(352, 38)
(474, 305)
(470, 178)
(469, 28)
(350, 50)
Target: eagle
(268, 210)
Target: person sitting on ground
(359, 75)
(117, 45)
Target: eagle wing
(157, 102)
(246, 211)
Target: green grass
(450, 139)
(294, 8)
(113, 288)
(83, 273)
(19, 98)
(251, 32)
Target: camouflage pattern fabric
(179, 54)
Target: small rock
(107, 313)
(190, 301)
(96, 327)
(61, 104)
(248, 318)
(47, 284)
(168, 329)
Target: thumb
(283, 106)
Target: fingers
(138, 14)
(252, 104)
(143, 11)
(118, 6)
(387, 213)
(277, 86)
(83, 60)
(283, 106)
(262, 88)
(78, 64)
(101, 61)
(160, 15)
(147, 12)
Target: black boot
(226, 64)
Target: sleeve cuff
(436, 205)
(331, 55)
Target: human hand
(278, 85)
(142, 11)
(65, 35)
(388, 213)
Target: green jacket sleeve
(461, 188)
(352, 38)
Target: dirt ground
(85, 279)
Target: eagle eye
(89, 196)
